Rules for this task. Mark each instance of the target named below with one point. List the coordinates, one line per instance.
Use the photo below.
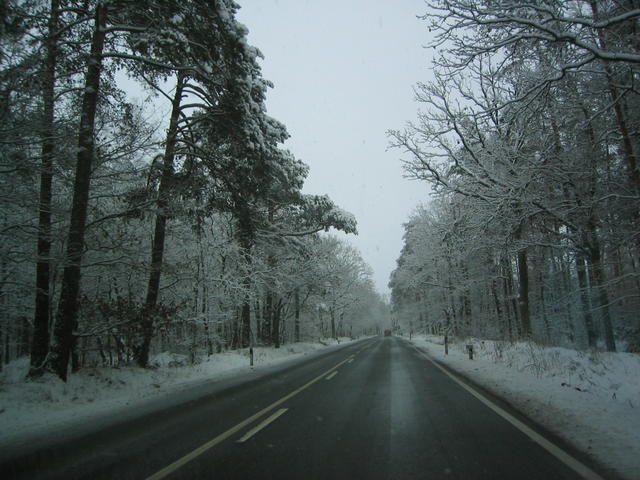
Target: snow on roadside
(28, 407)
(591, 399)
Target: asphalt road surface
(376, 409)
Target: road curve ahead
(377, 409)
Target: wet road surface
(376, 409)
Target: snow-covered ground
(31, 407)
(591, 399)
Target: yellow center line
(169, 469)
(261, 425)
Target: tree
(66, 316)
(40, 342)
(216, 204)
(513, 135)
(577, 34)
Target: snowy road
(376, 409)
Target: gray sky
(343, 72)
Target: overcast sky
(343, 72)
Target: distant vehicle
(387, 333)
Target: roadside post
(470, 351)
(251, 356)
(446, 344)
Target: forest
(528, 134)
(172, 221)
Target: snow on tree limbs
(223, 168)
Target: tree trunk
(244, 340)
(543, 309)
(627, 145)
(523, 285)
(40, 339)
(277, 313)
(157, 246)
(333, 322)
(204, 305)
(244, 334)
(267, 322)
(496, 300)
(523, 293)
(510, 301)
(269, 328)
(296, 300)
(465, 299)
(2, 343)
(599, 278)
(66, 317)
(246, 240)
(581, 269)
(561, 270)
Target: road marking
(550, 447)
(350, 360)
(261, 425)
(169, 469)
(331, 375)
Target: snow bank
(28, 407)
(591, 399)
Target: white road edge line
(261, 425)
(172, 467)
(550, 447)
(350, 361)
(331, 375)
